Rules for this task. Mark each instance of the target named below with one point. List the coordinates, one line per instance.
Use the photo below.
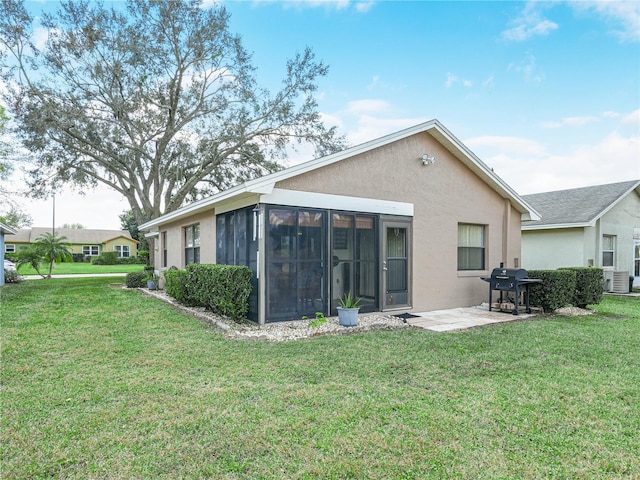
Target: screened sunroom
(305, 259)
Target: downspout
(506, 228)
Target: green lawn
(65, 268)
(100, 382)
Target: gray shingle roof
(85, 236)
(577, 206)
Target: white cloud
(570, 122)
(364, 7)
(622, 16)
(367, 106)
(632, 118)
(530, 167)
(40, 37)
(358, 6)
(452, 79)
(528, 68)
(529, 24)
(521, 146)
(488, 82)
(369, 127)
(377, 83)
(610, 114)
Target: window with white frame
(123, 251)
(9, 248)
(90, 250)
(471, 246)
(608, 250)
(192, 244)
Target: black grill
(511, 280)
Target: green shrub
(589, 286)
(12, 276)
(77, 257)
(136, 279)
(222, 289)
(176, 286)
(557, 289)
(106, 258)
(131, 261)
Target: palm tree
(53, 248)
(30, 256)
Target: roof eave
(635, 186)
(555, 226)
(7, 229)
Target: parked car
(9, 265)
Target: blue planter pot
(348, 317)
(151, 284)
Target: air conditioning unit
(620, 281)
(608, 280)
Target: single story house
(89, 242)
(596, 226)
(407, 222)
(4, 230)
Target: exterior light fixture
(428, 160)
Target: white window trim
(120, 249)
(90, 249)
(9, 250)
(612, 251)
(473, 272)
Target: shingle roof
(577, 206)
(74, 235)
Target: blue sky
(545, 93)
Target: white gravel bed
(573, 311)
(284, 331)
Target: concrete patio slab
(462, 318)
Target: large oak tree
(158, 101)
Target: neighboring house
(89, 242)
(407, 222)
(4, 230)
(583, 227)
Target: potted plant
(152, 281)
(348, 310)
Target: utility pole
(53, 227)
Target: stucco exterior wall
(621, 221)
(554, 248)
(443, 194)
(176, 237)
(573, 247)
(108, 246)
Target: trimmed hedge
(557, 289)
(589, 286)
(77, 257)
(106, 258)
(222, 289)
(136, 279)
(175, 286)
(132, 261)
